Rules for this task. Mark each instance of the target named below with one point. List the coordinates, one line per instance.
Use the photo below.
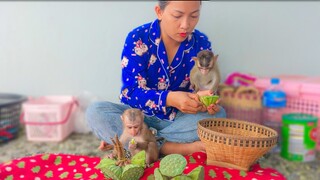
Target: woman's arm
(135, 61)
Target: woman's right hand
(186, 102)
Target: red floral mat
(66, 166)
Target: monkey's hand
(132, 144)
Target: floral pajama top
(147, 76)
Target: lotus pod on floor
(183, 177)
(139, 159)
(109, 169)
(132, 172)
(197, 173)
(105, 162)
(172, 165)
(158, 175)
(112, 171)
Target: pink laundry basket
(303, 96)
(48, 118)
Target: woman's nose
(185, 23)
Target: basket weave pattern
(233, 143)
(243, 103)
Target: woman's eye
(194, 17)
(176, 16)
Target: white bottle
(274, 101)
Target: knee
(221, 113)
(91, 111)
(94, 110)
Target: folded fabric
(68, 166)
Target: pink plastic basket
(303, 96)
(48, 118)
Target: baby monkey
(205, 74)
(138, 136)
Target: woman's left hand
(213, 108)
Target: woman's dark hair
(163, 4)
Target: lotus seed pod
(105, 162)
(182, 177)
(132, 172)
(139, 159)
(197, 173)
(157, 174)
(207, 100)
(112, 171)
(172, 165)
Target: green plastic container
(299, 137)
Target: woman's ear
(158, 11)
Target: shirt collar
(155, 36)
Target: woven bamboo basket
(242, 102)
(234, 143)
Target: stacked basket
(10, 109)
(233, 143)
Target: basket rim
(11, 99)
(236, 136)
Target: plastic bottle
(274, 101)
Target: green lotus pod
(139, 159)
(197, 173)
(208, 100)
(158, 175)
(182, 177)
(105, 162)
(132, 172)
(112, 171)
(172, 165)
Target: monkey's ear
(215, 58)
(121, 118)
(142, 115)
(195, 58)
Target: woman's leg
(104, 118)
(182, 134)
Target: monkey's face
(205, 65)
(204, 70)
(133, 127)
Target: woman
(156, 64)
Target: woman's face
(178, 19)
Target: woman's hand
(213, 108)
(186, 102)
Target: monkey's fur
(205, 74)
(144, 139)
